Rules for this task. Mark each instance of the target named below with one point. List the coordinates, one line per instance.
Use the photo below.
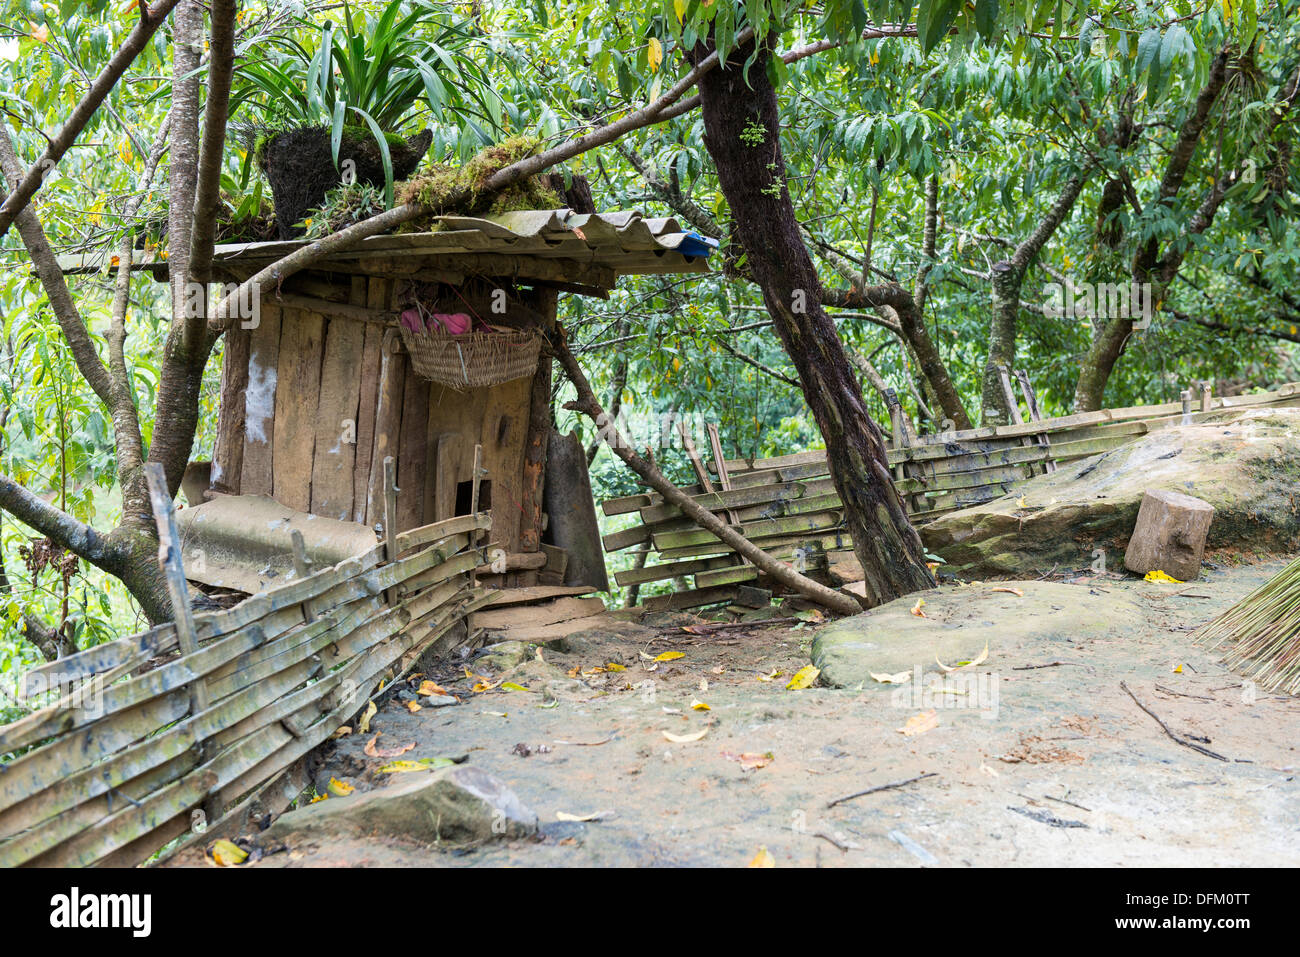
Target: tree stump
(1169, 535)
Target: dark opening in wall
(465, 495)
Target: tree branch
(20, 194)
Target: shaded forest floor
(1057, 766)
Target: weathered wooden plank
(259, 404)
(412, 452)
(302, 342)
(388, 421)
(228, 449)
(334, 459)
(368, 401)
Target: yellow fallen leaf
(340, 788)
(364, 724)
(920, 723)
(671, 656)
(226, 853)
(916, 609)
(1020, 502)
(897, 679)
(685, 738)
(771, 675)
(430, 687)
(1162, 578)
(700, 706)
(983, 656)
(763, 858)
(514, 686)
(805, 677)
(1178, 670)
(614, 666)
(412, 707)
(424, 764)
(319, 797)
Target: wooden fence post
(390, 519)
(173, 566)
(302, 569)
(479, 472)
(1036, 415)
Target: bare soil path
(1057, 766)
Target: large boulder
(1245, 463)
(1023, 620)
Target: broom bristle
(1260, 635)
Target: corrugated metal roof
(624, 242)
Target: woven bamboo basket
(473, 360)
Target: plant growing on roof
(333, 110)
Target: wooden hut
(319, 384)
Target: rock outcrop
(1244, 463)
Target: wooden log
(572, 511)
(1169, 535)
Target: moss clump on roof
(448, 189)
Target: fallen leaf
(1161, 577)
(513, 686)
(341, 732)
(423, 764)
(1020, 502)
(670, 656)
(1178, 670)
(1010, 591)
(430, 687)
(803, 678)
(812, 615)
(226, 853)
(898, 679)
(685, 738)
(700, 706)
(412, 707)
(593, 816)
(319, 797)
(763, 858)
(498, 714)
(983, 656)
(751, 760)
(916, 609)
(364, 724)
(615, 666)
(770, 676)
(340, 788)
(920, 723)
(717, 670)
(376, 752)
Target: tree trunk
(742, 130)
(1002, 343)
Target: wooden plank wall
(314, 400)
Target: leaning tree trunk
(741, 132)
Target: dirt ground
(1057, 766)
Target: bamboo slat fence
(788, 505)
(146, 742)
